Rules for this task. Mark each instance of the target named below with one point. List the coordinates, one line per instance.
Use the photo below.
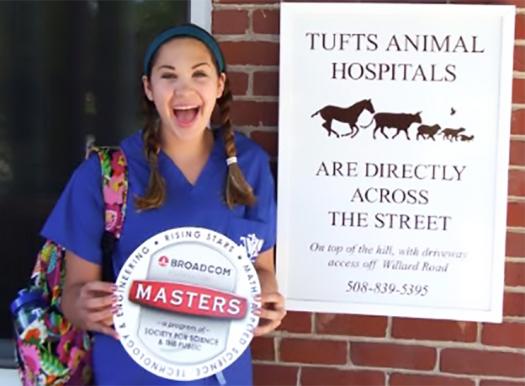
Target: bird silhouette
(452, 111)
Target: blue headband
(186, 30)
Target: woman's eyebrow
(200, 64)
(166, 66)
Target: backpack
(50, 351)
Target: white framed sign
(394, 130)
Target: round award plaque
(186, 305)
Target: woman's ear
(221, 83)
(147, 88)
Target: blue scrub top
(77, 223)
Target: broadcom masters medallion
(186, 307)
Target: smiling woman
(182, 174)
(76, 64)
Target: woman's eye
(168, 76)
(200, 74)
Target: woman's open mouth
(186, 115)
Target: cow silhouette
(348, 115)
(399, 121)
(427, 132)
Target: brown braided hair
(237, 189)
(155, 194)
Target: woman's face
(184, 86)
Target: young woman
(180, 173)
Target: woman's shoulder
(87, 171)
(249, 148)
(133, 145)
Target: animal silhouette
(399, 121)
(427, 132)
(466, 138)
(452, 111)
(348, 115)
(452, 134)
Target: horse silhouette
(346, 115)
(398, 121)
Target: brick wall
(330, 349)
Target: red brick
(238, 82)
(519, 58)
(517, 153)
(520, 26)
(493, 382)
(516, 214)
(518, 90)
(515, 245)
(340, 324)
(515, 274)
(518, 120)
(266, 21)
(463, 361)
(504, 334)
(270, 375)
(429, 329)
(260, 53)
(333, 377)
(266, 83)
(296, 322)
(263, 348)
(393, 355)
(267, 140)
(254, 113)
(230, 22)
(516, 182)
(313, 351)
(397, 379)
(514, 304)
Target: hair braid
(156, 191)
(237, 191)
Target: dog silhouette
(452, 134)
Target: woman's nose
(182, 86)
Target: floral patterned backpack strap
(115, 186)
(114, 171)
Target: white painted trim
(200, 13)
(9, 377)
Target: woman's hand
(87, 302)
(94, 308)
(272, 302)
(272, 313)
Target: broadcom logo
(163, 261)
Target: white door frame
(200, 13)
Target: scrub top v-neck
(166, 163)
(77, 223)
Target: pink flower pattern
(31, 357)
